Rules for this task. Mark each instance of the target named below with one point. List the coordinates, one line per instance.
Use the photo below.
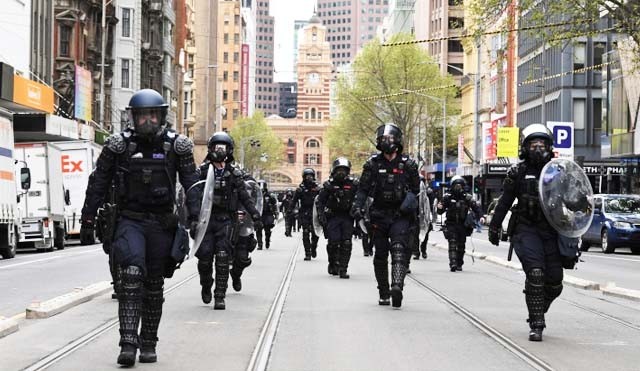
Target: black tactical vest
(308, 194)
(528, 195)
(341, 196)
(458, 207)
(391, 181)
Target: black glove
(193, 229)
(87, 232)
(357, 213)
(257, 221)
(494, 235)
(323, 221)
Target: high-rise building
(229, 66)
(266, 88)
(400, 19)
(298, 25)
(350, 24)
(288, 99)
(249, 13)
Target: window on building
(225, 57)
(124, 72)
(236, 38)
(456, 22)
(186, 105)
(578, 113)
(597, 114)
(225, 76)
(311, 159)
(225, 94)
(236, 76)
(291, 158)
(236, 95)
(454, 45)
(226, 38)
(579, 55)
(236, 57)
(599, 48)
(65, 41)
(236, 113)
(126, 22)
(313, 143)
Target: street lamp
(442, 101)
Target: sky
(285, 12)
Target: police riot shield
(424, 210)
(317, 227)
(205, 209)
(245, 223)
(566, 197)
(366, 218)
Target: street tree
(374, 92)
(257, 147)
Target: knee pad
(552, 290)
(347, 245)
(222, 258)
(397, 252)
(535, 282)
(131, 276)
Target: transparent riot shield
(205, 209)
(424, 211)
(566, 197)
(366, 218)
(245, 223)
(317, 227)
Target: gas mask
(340, 175)
(538, 152)
(146, 121)
(388, 145)
(457, 189)
(218, 153)
(308, 179)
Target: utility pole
(476, 121)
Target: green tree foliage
(578, 17)
(255, 138)
(372, 94)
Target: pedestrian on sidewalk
(334, 205)
(229, 195)
(140, 165)
(391, 179)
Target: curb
(503, 262)
(620, 292)
(61, 303)
(581, 283)
(7, 326)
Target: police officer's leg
(423, 245)
(129, 254)
(306, 241)
(159, 243)
(553, 272)
(241, 259)
(381, 264)
(451, 237)
(333, 244)
(259, 237)
(414, 242)
(399, 235)
(366, 241)
(314, 244)
(530, 250)
(267, 236)
(461, 247)
(346, 246)
(223, 250)
(205, 262)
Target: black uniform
(533, 239)
(144, 171)
(457, 227)
(305, 196)
(246, 241)
(269, 216)
(334, 205)
(287, 208)
(389, 183)
(229, 195)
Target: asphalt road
(328, 323)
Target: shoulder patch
(116, 143)
(183, 145)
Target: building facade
(298, 25)
(229, 48)
(41, 61)
(350, 24)
(266, 88)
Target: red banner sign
(244, 80)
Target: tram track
(529, 358)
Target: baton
(510, 251)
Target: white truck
(42, 207)
(9, 216)
(78, 161)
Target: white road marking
(50, 258)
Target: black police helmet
(391, 130)
(309, 171)
(340, 162)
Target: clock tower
(314, 72)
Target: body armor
(341, 195)
(526, 180)
(225, 195)
(391, 181)
(457, 207)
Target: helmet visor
(146, 120)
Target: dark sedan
(616, 223)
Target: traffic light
(478, 184)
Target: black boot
(205, 269)
(236, 281)
(534, 297)
(535, 334)
(453, 256)
(423, 249)
(127, 356)
(129, 308)
(151, 314)
(222, 279)
(381, 271)
(259, 245)
(344, 256)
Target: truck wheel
(58, 239)
(8, 244)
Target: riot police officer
(288, 210)
(391, 179)
(246, 241)
(305, 196)
(458, 204)
(219, 238)
(533, 239)
(269, 215)
(141, 163)
(334, 205)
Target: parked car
(616, 223)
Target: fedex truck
(77, 161)
(42, 207)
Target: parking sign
(562, 138)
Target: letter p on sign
(562, 136)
